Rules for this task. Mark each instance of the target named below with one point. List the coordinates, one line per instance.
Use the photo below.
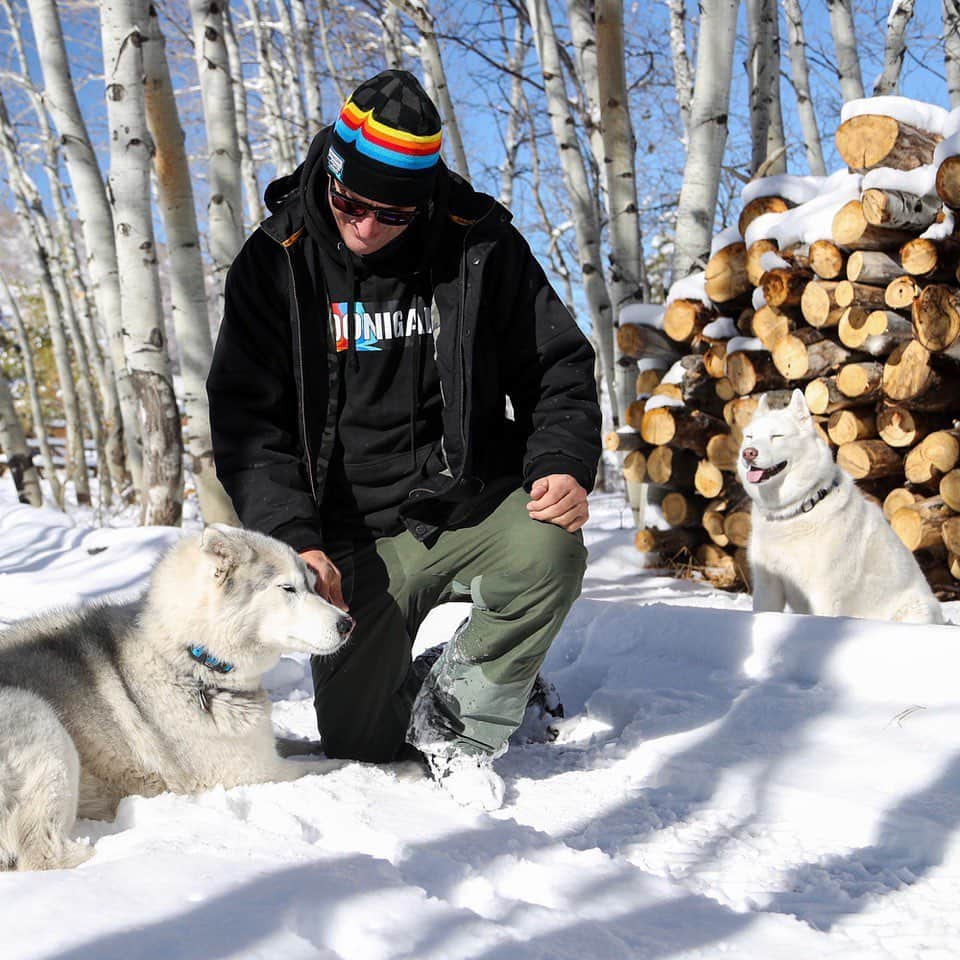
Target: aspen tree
(708, 135)
(96, 221)
(187, 289)
(123, 24)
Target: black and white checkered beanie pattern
(385, 144)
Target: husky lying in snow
(160, 694)
(818, 545)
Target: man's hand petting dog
(328, 577)
(559, 499)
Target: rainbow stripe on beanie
(376, 140)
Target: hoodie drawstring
(353, 324)
(414, 397)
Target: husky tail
(39, 786)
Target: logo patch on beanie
(334, 163)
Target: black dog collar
(805, 505)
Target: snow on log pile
(847, 287)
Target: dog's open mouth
(756, 475)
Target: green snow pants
(521, 576)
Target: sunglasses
(388, 216)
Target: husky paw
(55, 855)
(74, 854)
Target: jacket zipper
(295, 307)
(462, 309)
(461, 352)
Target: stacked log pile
(848, 289)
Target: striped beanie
(385, 144)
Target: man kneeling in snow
(375, 326)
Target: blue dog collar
(209, 660)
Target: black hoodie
(287, 408)
(389, 424)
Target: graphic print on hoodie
(373, 325)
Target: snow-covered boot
(544, 707)
(468, 778)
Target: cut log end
(869, 460)
(936, 316)
(726, 274)
(874, 140)
(826, 259)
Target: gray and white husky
(817, 544)
(160, 694)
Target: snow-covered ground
(724, 785)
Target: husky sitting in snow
(161, 694)
(817, 544)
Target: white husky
(817, 544)
(161, 694)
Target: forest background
(136, 140)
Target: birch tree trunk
(105, 415)
(248, 171)
(290, 79)
(582, 198)
(95, 218)
(682, 72)
(111, 459)
(187, 290)
(14, 443)
(83, 381)
(583, 33)
(951, 49)
(332, 71)
(508, 168)
(628, 282)
(419, 12)
(63, 243)
(619, 150)
(900, 16)
(392, 37)
(39, 241)
(801, 86)
(311, 79)
(763, 74)
(555, 232)
(33, 394)
(270, 92)
(225, 206)
(708, 135)
(124, 25)
(845, 44)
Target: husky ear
(798, 407)
(762, 406)
(227, 547)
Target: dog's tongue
(754, 475)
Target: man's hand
(561, 500)
(328, 577)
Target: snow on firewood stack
(847, 287)
(683, 438)
(642, 343)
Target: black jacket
(503, 333)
